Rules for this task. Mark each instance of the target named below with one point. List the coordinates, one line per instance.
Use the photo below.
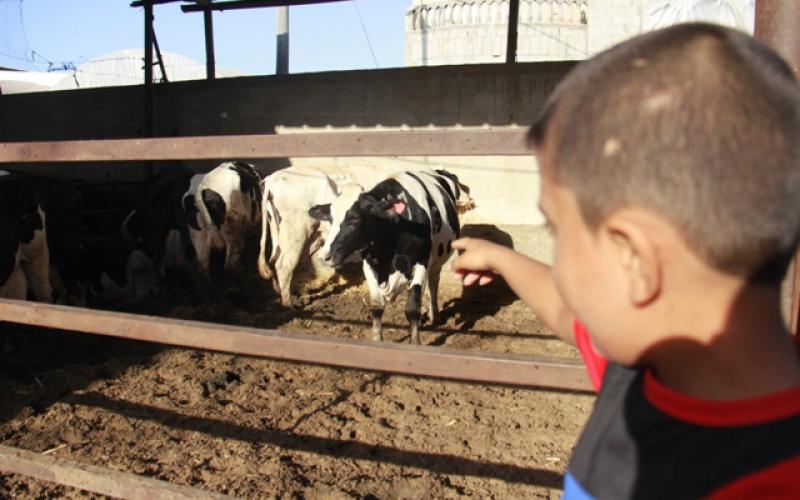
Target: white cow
(288, 232)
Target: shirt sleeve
(595, 363)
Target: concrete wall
(505, 188)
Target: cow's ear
(321, 212)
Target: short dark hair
(696, 122)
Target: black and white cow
(402, 229)
(288, 233)
(221, 210)
(24, 254)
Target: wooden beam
(253, 4)
(395, 143)
(390, 357)
(95, 479)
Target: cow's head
(354, 217)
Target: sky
(323, 37)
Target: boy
(671, 182)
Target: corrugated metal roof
(124, 67)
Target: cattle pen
(543, 372)
(426, 361)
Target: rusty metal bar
(95, 479)
(402, 359)
(394, 143)
(777, 24)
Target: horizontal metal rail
(402, 359)
(317, 144)
(95, 479)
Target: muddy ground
(254, 428)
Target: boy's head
(678, 145)
(698, 123)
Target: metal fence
(395, 358)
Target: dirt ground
(255, 428)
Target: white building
(474, 31)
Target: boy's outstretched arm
(480, 260)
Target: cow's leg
(235, 234)
(414, 301)
(284, 270)
(36, 264)
(291, 243)
(376, 302)
(433, 289)
(15, 286)
(265, 242)
(218, 253)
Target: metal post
(148, 79)
(282, 56)
(777, 24)
(513, 21)
(209, 25)
(160, 59)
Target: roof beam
(251, 4)
(141, 3)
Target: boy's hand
(474, 261)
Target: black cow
(402, 229)
(160, 214)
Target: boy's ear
(321, 212)
(639, 259)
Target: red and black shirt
(644, 440)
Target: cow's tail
(265, 242)
(130, 241)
